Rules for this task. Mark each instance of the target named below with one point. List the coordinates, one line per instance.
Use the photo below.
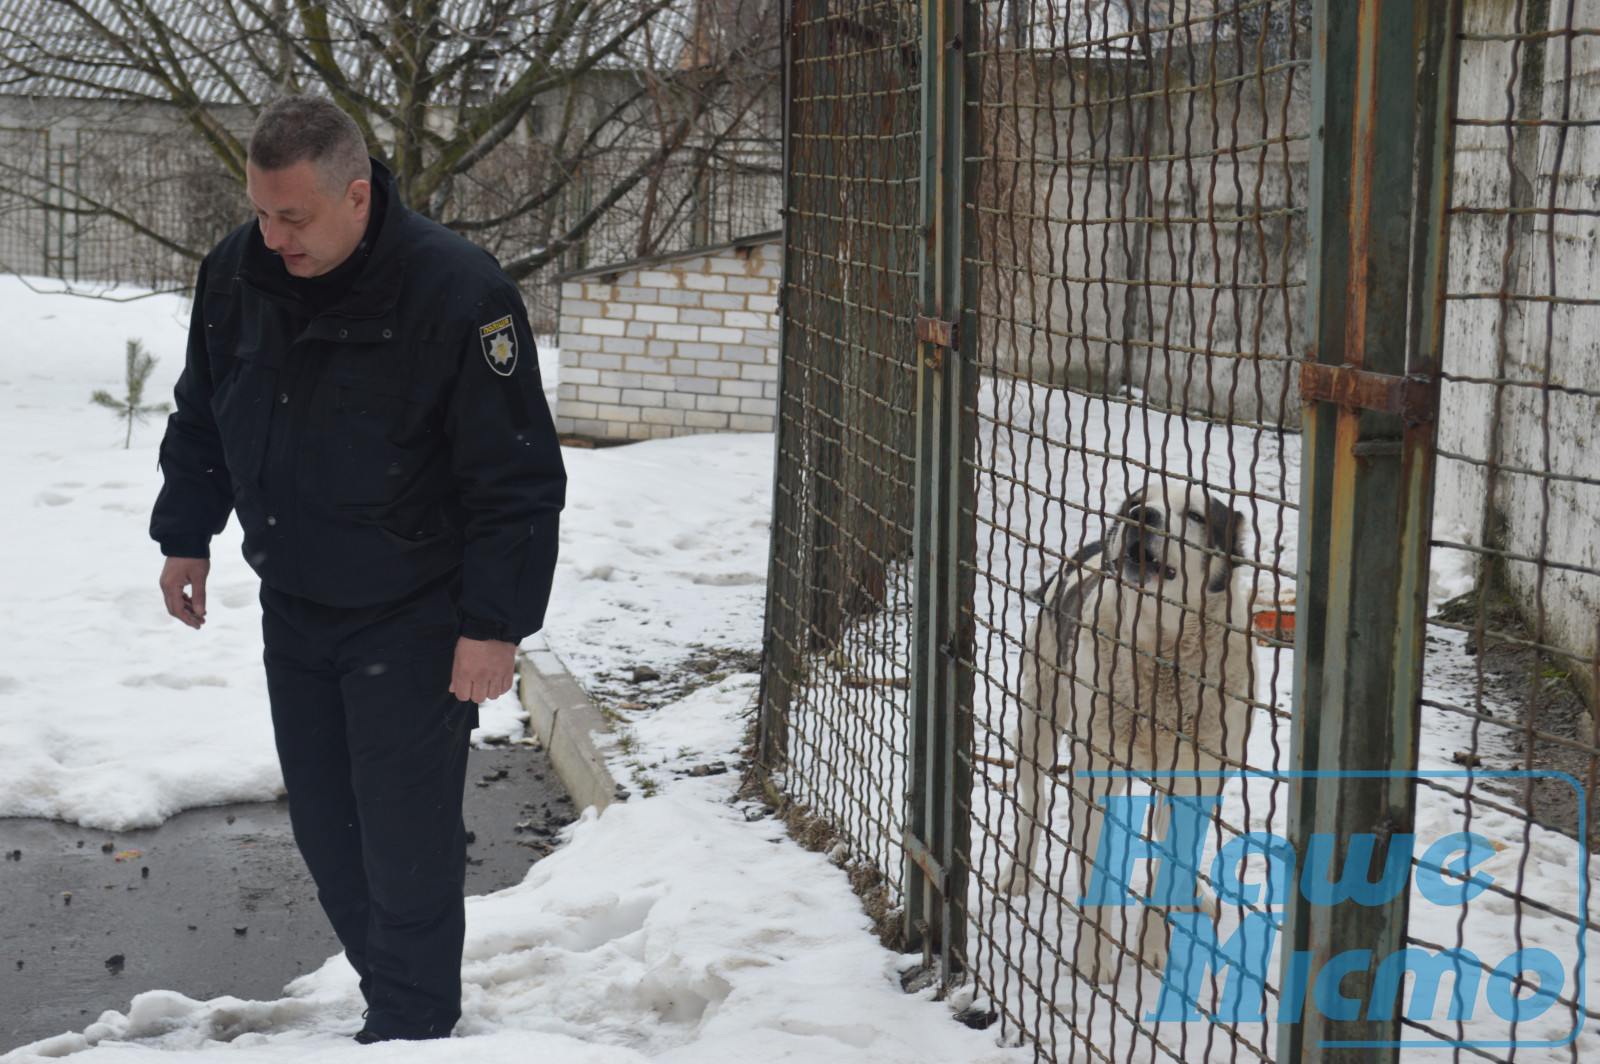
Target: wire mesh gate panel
(1137, 270)
(1512, 648)
(1182, 364)
(838, 630)
(1422, 410)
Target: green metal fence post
(1383, 89)
(780, 636)
(936, 834)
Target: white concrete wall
(685, 346)
(1216, 275)
(1538, 345)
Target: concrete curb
(570, 726)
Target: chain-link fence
(839, 619)
(1100, 371)
(1512, 650)
(1138, 269)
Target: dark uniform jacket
(374, 447)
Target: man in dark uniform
(361, 388)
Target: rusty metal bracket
(938, 332)
(1414, 397)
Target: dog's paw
(1015, 879)
(1153, 939)
(1094, 965)
(1095, 957)
(1156, 934)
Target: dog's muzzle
(1140, 560)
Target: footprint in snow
(50, 498)
(727, 579)
(176, 683)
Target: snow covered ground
(114, 716)
(670, 928)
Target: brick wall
(685, 345)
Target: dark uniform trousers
(374, 753)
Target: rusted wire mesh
(839, 615)
(1139, 274)
(1133, 286)
(1512, 644)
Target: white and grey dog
(1141, 656)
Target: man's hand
(178, 574)
(483, 669)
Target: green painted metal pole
(939, 784)
(1383, 88)
(925, 875)
(781, 636)
(959, 253)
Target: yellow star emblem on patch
(499, 340)
(501, 351)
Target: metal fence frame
(1381, 175)
(1383, 115)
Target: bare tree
(524, 124)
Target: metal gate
(1184, 482)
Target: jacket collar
(375, 290)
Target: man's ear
(359, 195)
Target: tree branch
(526, 264)
(569, 167)
(95, 208)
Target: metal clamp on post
(939, 333)
(1414, 397)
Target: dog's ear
(1236, 534)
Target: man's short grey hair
(300, 128)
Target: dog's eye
(1195, 515)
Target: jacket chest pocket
(246, 372)
(372, 441)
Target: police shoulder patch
(499, 341)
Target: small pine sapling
(131, 408)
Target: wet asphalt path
(216, 900)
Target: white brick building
(672, 344)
